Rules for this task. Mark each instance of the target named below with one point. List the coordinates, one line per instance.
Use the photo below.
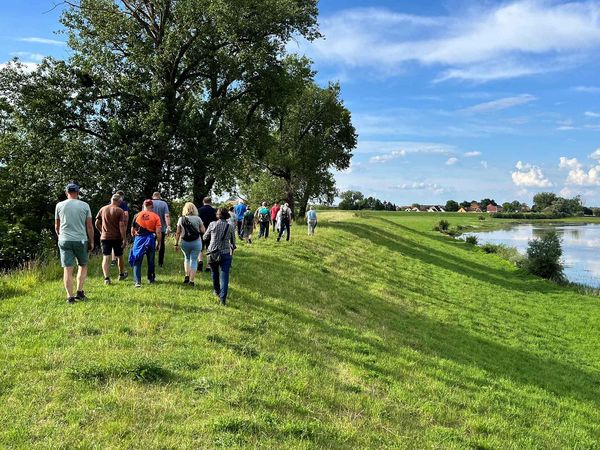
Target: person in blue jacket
(240, 210)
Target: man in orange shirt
(147, 230)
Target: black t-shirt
(208, 214)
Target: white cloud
(502, 103)
(451, 161)
(519, 38)
(581, 177)
(26, 67)
(484, 164)
(595, 154)
(587, 89)
(39, 40)
(29, 56)
(591, 114)
(566, 163)
(527, 175)
(395, 154)
(420, 186)
(471, 154)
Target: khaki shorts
(71, 251)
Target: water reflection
(580, 242)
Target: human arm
(168, 222)
(90, 233)
(207, 232)
(57, 226)
(158, 238)
(178, 231)
(98, 223)
(123, 230)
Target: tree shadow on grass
(505, 278)
(343, 341)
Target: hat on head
(148, 203)
(72, 187)
(116, 198)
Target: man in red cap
(147, 231)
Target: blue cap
(72, 187)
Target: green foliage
(510, 254)
(481, 217)
(451, 206)
(529, 216)
(544, 257)
(443, 225)
(354, 200)
(543, 200)
(472, 239)
(19, 245)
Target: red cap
(148, 203)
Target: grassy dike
(376, 333)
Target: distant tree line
(355, 200)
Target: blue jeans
(264, 230)
(221, 285)
(285, 226)
(137, 268)
(191, 250)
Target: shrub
(490, 248)
(443, 225)
(472, 239)
(543, 257)
(482, 217)
(17, 245)
(453, 231)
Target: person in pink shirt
(274, 210)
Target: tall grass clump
(472, 239)
(543, 257)
(442, 226)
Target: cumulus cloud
(566, 163)
(595, 154)
(581, 177)
(451, 161)
(29, 56)
(528, 175)
(503, 40)
(471, 154)
(502, 103)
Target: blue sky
(451, 99)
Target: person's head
(122, 194)
(276, 204)
(312, 208)
(222, 214)
(240, 201)
(264, 204)
(156, 196)
(72, 190)
(207, 200)
(148, 205)
(189, 209)
(116, 199)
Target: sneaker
(81, 296)
(186, 280)
(200, 266)
(150, 281)
(207, 269)
(216, 294)
(113, 262)
(222, 302)
(138, 285)
(71, 300)
(249, 241)
(122, 276)
(107, 281)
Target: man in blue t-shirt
(239, 210)
(161, 208)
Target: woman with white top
(190, 230)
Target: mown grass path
(376, 333)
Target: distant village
(473, 207)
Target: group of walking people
(201, 234)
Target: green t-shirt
(72, 214)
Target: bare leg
(81, 276)
(192, 273)
(106, 265)
(68, 280)
(121, 262)
(186, 268)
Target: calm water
(580, 243)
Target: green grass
(379, 332)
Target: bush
(543, 257)
(490, 248)
(530, 216)
(510, 254)
(443, 225)
(482, 217)
(471, 239)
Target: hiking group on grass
(203, 233)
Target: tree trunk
(202, 186)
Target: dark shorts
(71, 251)
(108, 245)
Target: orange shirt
(148, 220)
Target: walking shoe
(113, 262)
(208, 269)
(222, 302)
(249, 241)
(71, 300)
(122, 276)
(186, 280)
(107, 281)
(150, 281)
(81, 296)
(216, 294)
(138, 285)
(200, 266)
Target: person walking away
(240, 210)
(190, 229)
(263, 216)
(248, 226)
(208, 214)
(274, 211)
(220, 251)
(311, 219)
(73, 226)
(147, 230)
(232, 218)
(162, 210)
(285, 215)
(112, 224)
(125, 207)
